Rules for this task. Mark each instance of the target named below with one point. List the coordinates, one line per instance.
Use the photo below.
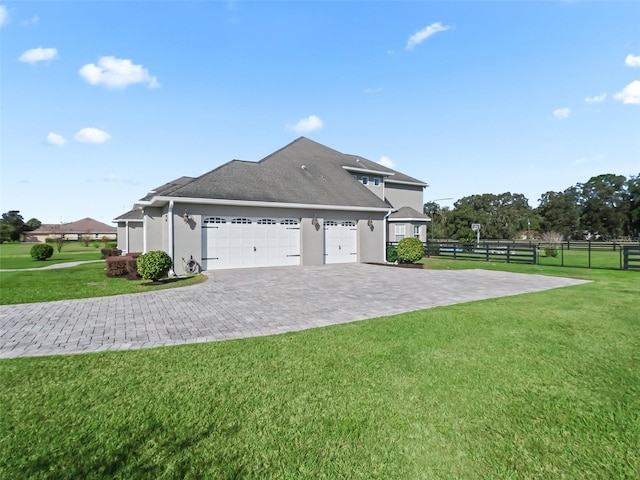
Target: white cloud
(4, 16)
(562, 113)
(92, 135)
(596, 99)
(115, 72)
(55, 139)
(632, 61)
(306, 125)
(386, 162)
(39, 55)
(630, 94)
(420, 36)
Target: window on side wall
(376, 181)
(399, 231)
(416, 231)
(365, 180)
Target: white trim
(402, 182)
(158, 201)
(170, 245)
(421, 220)
(368, 170)
(126, 235)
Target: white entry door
(242, 242)
(340, 241)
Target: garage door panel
(251, 242)
(341, 241)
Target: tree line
(606, 207)
(12, 226)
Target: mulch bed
(401, 265)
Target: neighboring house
(87, 227)
(305, 204)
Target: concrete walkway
(50, 267)
(248, 302)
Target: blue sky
(102, 101)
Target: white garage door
(340, 241)
(239, 242)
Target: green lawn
(16, 255)
(536, 386)
(83, 281)
(580, 258)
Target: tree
(12, 225)
(438, 215)
(605, 205)
(501, 216)
(633, 197)
(560, 212)
(32, 224)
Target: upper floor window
(376, 181)
(365, 180)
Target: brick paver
(248, 302)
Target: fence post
(508, 253)
(626, 258)
(589, 253)
(562, 253)
(535, 253)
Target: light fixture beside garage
(185, 216)
(370, 222)
(314, 220)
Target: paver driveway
(248, 302)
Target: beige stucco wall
(409, 232)
(400, 195)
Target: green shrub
(116, 266)
(392, 254)
(41, 251)
(154, 265)
(410, 250)
(550, 252)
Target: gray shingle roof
(303, 172)
(405, 213)
(135, 214)
(167, 188)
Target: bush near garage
(41, 251)
(154, 265)
(392, 254)
(410, 250)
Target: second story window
(365, 180)
(376, 181)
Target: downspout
(144, 232)
(170, 246)
(386, 235)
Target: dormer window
(376, 181)
(365, 180)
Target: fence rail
(631, 257)
(617, 255)
(487, 251)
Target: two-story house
(305, 204)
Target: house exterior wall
(130, 236)
(154, 224)
(371, 183)
(409, 229)
(187, 236)
(400, 195)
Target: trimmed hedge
(392, 254)
(116, 266)
(41, 251)
(410, 250)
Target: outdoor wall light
(314, 220)
(370, 222)
(185, 217)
